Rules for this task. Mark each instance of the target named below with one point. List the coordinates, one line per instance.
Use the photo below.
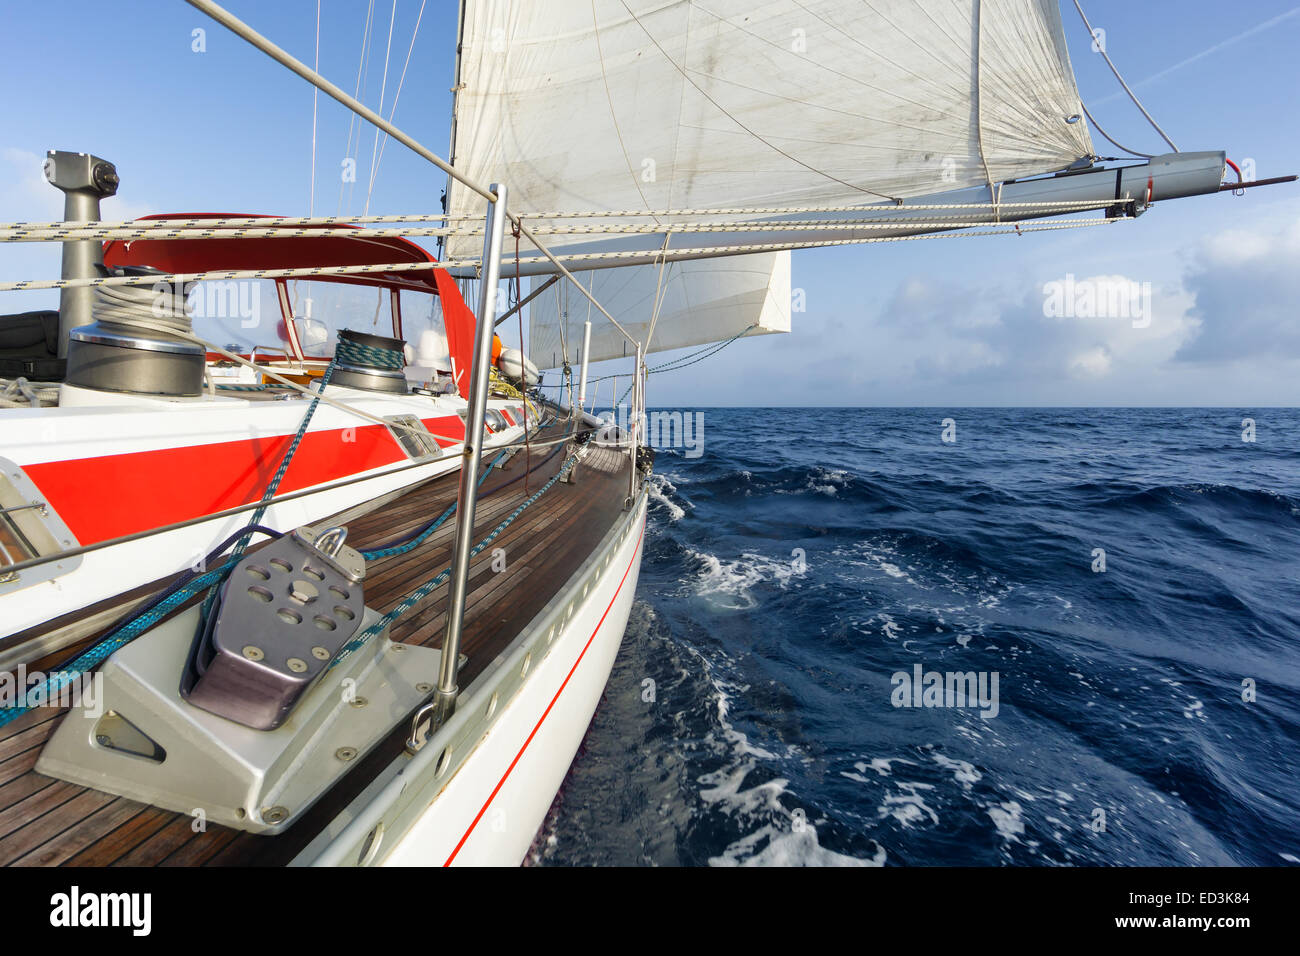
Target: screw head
(274, 814)
(296, 664)
(320, 653)
(346, 753)
(423, 687)
(303, 592)
(253, 653)
(358, 702)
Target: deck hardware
(467, 496)
(424, 688)
(163, 750)
(263, 609)
(370, 848)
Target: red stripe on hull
(114, 495)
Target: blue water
(768, 734)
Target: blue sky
(943, 323)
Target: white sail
(707, 300)
(680, 104)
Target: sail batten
(654, 104)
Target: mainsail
(690, 104)
(700, 301)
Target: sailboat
(338, 595)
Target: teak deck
(47, 822)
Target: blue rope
(424, 590)
(247, 536)
(423, 535)
(127, 631)
(354, 353)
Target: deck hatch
(414, 437)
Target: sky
(957, 323)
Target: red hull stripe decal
(114, 495)
(506, 414)
(497, 789)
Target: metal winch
(116, 354)
(371, 362)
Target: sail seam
(979, 107)
(721, 109)
(613, 114)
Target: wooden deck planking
(48, 822)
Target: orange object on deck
(496, 348)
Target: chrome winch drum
(116, 354)
(371, 362)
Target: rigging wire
(398, 95)
(315, 96)
(1131, 95)
(356, 92)
(383, 88)
(1109, 138)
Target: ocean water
(1147, 713)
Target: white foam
(726, 583)
(788, 848)
(658, 491)
(1007, 818)
(963, 772)
(907, 806)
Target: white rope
(700, 252)
(62, 232)
(1131, 95)
(226, 274)
(241, 222)
(705, 252)
(778, 210)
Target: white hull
(489, 809)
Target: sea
(967, 636)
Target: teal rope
(354, 353)
(424, 590)
(242, 544)
(119, 638)
(423, 536)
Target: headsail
(707, 300)
(682, 104)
